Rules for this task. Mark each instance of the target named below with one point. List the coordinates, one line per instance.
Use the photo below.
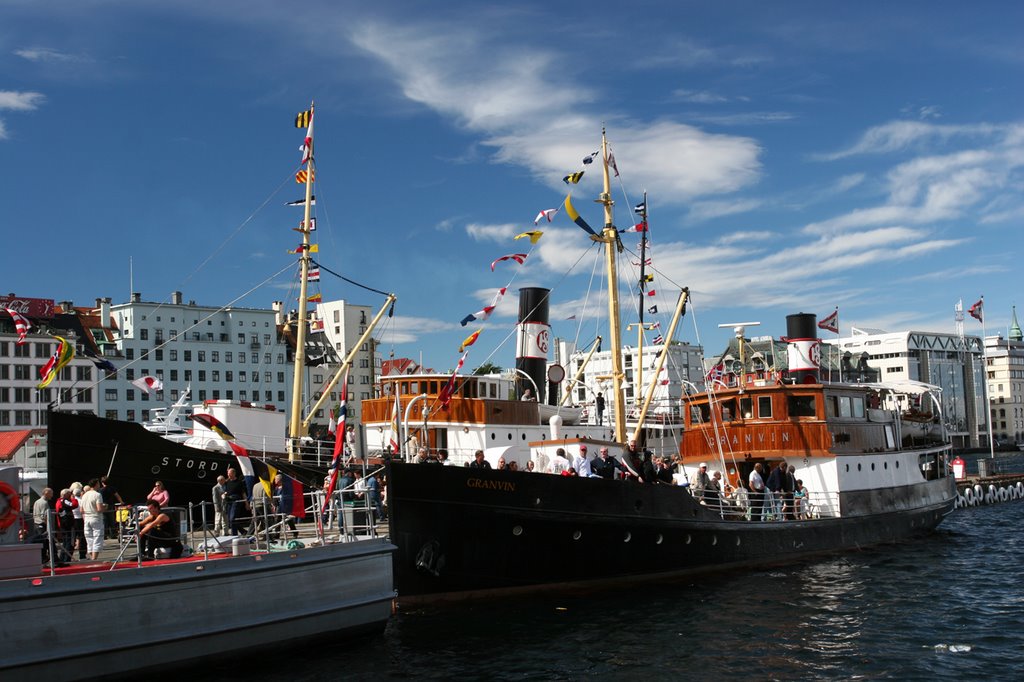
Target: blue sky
(798, 156)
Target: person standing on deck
(756, 493)
(235, 498)
(599, 406)
(40, 510)
(220, 524)
(92, 516)
(111, 498)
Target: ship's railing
(769, 506)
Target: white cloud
(45, 54)
(705, 210)
(527, 110)
(898, 135)
(699, 96)
(848, 182)
(746, 237)
(20, 101)
(493, 233)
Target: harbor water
(948, 606)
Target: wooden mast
(296, 427)
(610, 237)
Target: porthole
(627, 537)
(494, 436)
(872, 466)
(154, 469)
(577, 535)
(859, 467)
(897, 464)
(714, 540)
(885, 465)
(536, 503)
(524, 436)
(689, 539)
(737, 540)
(847, 468)
(510, 436)
(201, 473)
(658, 540)
(517, 530)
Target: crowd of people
(766, 494)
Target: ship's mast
(610, 237)
(296, 429)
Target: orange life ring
(13, 511)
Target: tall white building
(1004, 370)
(952, 362)
(341, 324)
(222, 353)
(682, 373)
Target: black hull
(81, 447)
(464, 532)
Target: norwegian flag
(977, 311)
(21, 324)
(393, 437)
(715, 373)
(445, 396)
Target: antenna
(738, 327)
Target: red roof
(11, 442)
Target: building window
(215, 375)
(130, 415)
(110, 414)
(255, 357)
(214, 356)
(229, 375)
(280, 358)
(201, 355)
(23, 417)
(188, 356)
(159, 355)
(110, 394)
(144, 334)
(23, 372)
(188, 375)
(280, 377)
(241, 357)
(22, 395)
(129, 353)
(202, 375)
(129, 394)
(42, 350)
(129, 374)
(22, 351)
(174, 375)
(174, 355)
(241, 337)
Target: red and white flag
(307, 144)
(548, 213)
(517, 257)
(21, 325)
(977, 311)
(831, 323)
(395, 416)
(639, 227)
(332, 425)
(448, 390)
(149, 384)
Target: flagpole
(639, 387)
(611, 241)
(296, 429)
(988, 400)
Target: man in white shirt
(559, 463)
(756, 492)
(92, 515)
(581, 464)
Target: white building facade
(221, 353)
(1004, 370)
(681, 374)
(952, 362)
